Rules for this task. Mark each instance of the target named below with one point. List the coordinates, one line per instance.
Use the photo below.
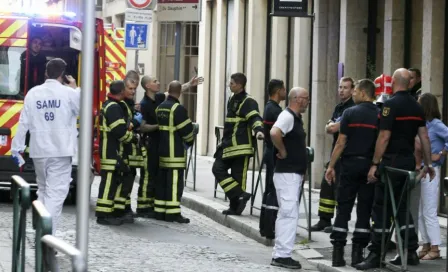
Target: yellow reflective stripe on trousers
(172, 211)
(230, 187)
(225, 181)
(104, 201)
(159, 210)
(175, 182)
(327, 201)
(327, 210)
(244, 179)
(107, 188)
(104, 209)
(172, 203)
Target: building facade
(356, 38)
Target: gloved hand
(17, 158)
(138, 117)
(195, 128)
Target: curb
(325, 266)
(241, 224)
(214, 210)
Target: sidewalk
(317, 251)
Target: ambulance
(27, 39)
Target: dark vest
(294, 141)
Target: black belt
(357, 157)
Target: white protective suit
(49, 113)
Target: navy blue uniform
(360, 125)
(402, 116)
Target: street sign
(178, 10)
(292, 8)
(137, 15)
(136, 36)
(139, 4)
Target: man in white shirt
(49, 113)
(288, 137)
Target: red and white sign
(178, 10)
(139, 4)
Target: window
(10, 71)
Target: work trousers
(169, 190)
(398, 184)
(148, 174)
(353, 183)
(287, 186)
(122, 200)
(328, 193)
(269, 205)
(233, 184)
(53, 176)
(428, 223)
(106, 194)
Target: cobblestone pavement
(148, 245)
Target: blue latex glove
(18, 159)
(138, 117)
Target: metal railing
(411, 181)
(310, 154)
(192, 156)
(46, 244)
(20, 192)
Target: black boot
(372, 261)
(357, 254)
(321, 225)
(338, 256)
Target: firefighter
(176, 135)
(150, 129)
(114, 133)
(236, 146)
(327, 201)
(401, 120)
(132, 153)
(49, 114)
(268, 213)
(356, 143)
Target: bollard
(20, 192)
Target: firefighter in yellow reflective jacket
(113, 134)
(176, 135)
(237, 147)
(132, 154)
